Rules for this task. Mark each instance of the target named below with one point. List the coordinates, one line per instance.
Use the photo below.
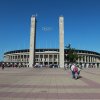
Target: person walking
(3, 66)
(72, 70)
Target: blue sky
(81, 20)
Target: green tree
(72, 56)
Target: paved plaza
(48, 84)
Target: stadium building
(47, 57)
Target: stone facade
(51, 56)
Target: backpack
(75, 69)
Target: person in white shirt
(72, 70)
(72, 67)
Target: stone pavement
(48, 84)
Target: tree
(72, 56)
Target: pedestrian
(3, 66)
(72, 70)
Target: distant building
(47, 57)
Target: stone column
(82, 59)
(32, 42)
(25, 58)
(52, 58)
(92, 59)
(88, 59)
(15, 59)
(20, 58)
(39, 59)
(10, 58)
(48, 59)
(57, 59)
(43, 59)
(61, 42)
